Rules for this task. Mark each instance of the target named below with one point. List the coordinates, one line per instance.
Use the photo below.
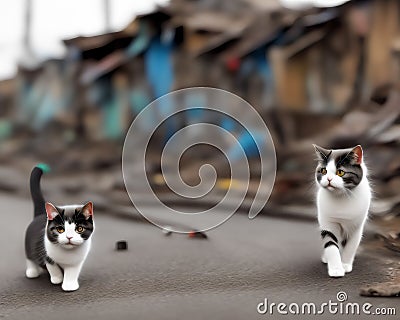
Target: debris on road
(121, 245)
(197, 234)
(381, 290)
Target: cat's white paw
(348, 267)
(32, 273)
(70, 286)
(56, 279)
(336, 272)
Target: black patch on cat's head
(324, 156)
(52, 225)
(349, 160)
(81, 218)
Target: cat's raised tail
(36, 191)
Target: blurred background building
(100, 69)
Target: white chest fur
(67, 257)
(351, 206)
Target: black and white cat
(58, 239)
(343, 200)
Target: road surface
(175, 277)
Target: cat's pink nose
(69, 238)
(329, 179)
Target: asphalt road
(175, 277)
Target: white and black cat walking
(58, 239)
(343, 200)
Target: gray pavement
(159, 277)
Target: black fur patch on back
(34, 240)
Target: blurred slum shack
(308, 64)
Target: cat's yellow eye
(323, 171)
(60, 229)
(340, 173)
(79, 229)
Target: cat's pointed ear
(51, 211)
(323, 154)
(87, 210)
(357, 153)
